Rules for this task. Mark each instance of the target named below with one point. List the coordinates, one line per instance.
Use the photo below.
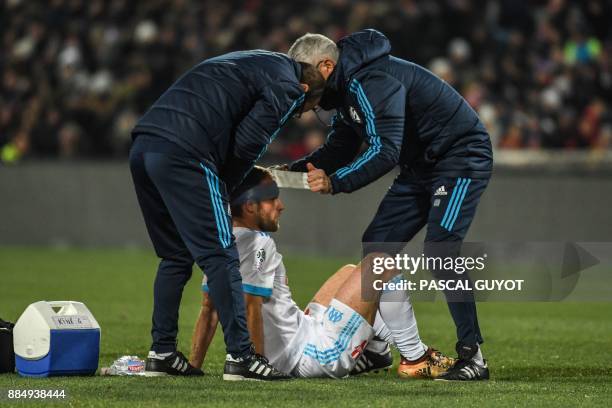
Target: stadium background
(76, 74)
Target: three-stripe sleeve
(381, 102)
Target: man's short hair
(254, 178)
(314, 79)
(312, 48)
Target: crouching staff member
(191, 148)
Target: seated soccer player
(339, 333)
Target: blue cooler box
(56, 338)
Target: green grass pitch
(540, 354)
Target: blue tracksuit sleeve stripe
(369, 113)
(263, 122)
(374, 139)
(380, 100)
(340, 148)
(296, 104)
(259, 128)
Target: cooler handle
(63, 305)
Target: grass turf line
(544, 354)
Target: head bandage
(260, 192)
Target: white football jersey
(263, 274)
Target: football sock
(398, 315)
(377, 346)
(478, 357)
(381, 330)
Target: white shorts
(336, 337)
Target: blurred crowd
(76, 74)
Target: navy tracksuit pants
(415, 200)
(185, 208)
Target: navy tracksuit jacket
(227, 109)
(410, 118)
(195, 144)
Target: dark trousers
(185, 209)
(416, 200)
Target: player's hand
(318, 180)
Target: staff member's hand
(318, 180)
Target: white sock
(398, 315)
(381, 330)
(478, 358)
(382, 336)
(160, 356)
(378, 346)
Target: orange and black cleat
(432, 365)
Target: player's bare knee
(372, 261)
(375, 265)
(388, 274)
(374, 255)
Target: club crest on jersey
(441, 191)
(354, 115)
(260, 255)
(334, 315)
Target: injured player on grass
(339, 334)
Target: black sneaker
(466, 370)
(255, 368)
(370, 361)
(174, 364)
